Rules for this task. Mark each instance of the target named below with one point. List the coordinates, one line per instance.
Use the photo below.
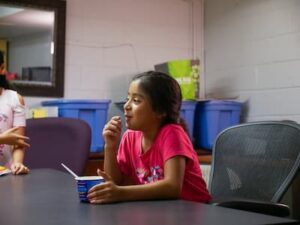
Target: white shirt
(12, 114)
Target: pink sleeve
(176, 143)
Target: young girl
(155, 159)
(12, 114)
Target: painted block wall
(107, 42)
(252, 51)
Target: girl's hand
(9, 137)
(19, 168)
(106, 192)
(112, 132)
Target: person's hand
(9, 137)
(107, 192)
(19, 168)
(112, 132)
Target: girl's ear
(161, 115)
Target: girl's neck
(148, 139)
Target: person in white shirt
(12, 114)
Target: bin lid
(221, 105)
(74, 101)
(222, 102)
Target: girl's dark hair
(165, 95)
(3, 82)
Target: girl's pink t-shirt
(171, 141)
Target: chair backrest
(255, 160)
(58, 140)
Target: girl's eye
(136, 100)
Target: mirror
(32, 37)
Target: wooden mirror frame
(56, 89)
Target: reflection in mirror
(25, 34)
(32, 38)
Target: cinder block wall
(107, 42)
(252, 50)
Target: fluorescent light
(52, 48)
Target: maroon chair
(58, 140)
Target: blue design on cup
(84, 184)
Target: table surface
(49, 197)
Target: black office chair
(253, 165)
(58, 140)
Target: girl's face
(139, 114)
(2, 70)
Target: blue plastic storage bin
(94, 112)
(211, 117)
(187, 112)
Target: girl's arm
(111, 165)
(17, 166)
(9, 137)
(112, 135)
(18, 156)
(18, 152)
(167, 188)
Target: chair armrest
(264, 207)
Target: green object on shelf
(186, 72)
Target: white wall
(252, 50)
(107, 42)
